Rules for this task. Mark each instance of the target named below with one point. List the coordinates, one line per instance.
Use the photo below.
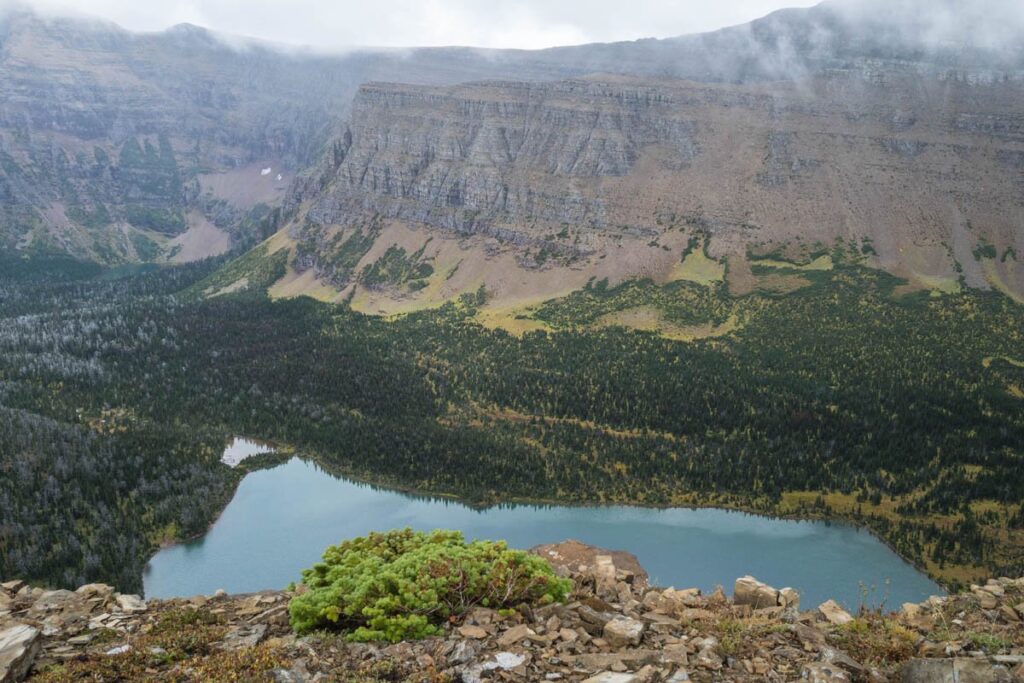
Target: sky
(399, 23)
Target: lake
(281, 519)
(241, 449)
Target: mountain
(119, 146)
(614, 177)
(893, 129)
(808, 137)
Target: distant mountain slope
(116, 146)
(534, 189)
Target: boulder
(95, 590)
(1009, 614)
(505, 660)
(51, 601)
(624, 632)
(750, 591)
(593, 620)
(834, 614)
(132, 604)
(789, 598)
(707, 655)
(605, 575)
(19, 645)
(575, 556)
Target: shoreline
(283, 454)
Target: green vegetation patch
(406, 584)
(984, 250)
(250, 275)
(93, 219)
(680, 303)
(170, 221)
(146, 248)
(396, 267)
(337, 260)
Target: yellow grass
(995, 278)
(507, 318)
(698, 268)
(651, 319)
(295, 284)
(939, 284)
(821, 263)
(987, 361)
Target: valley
(743, 301)
(806, 423)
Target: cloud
(402, 23)
(984, 24)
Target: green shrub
(984, 250)
(404, 584)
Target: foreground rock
(615, 629)
(18, 647)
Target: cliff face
(114, 144)
(107, 138)
(870, 119)
(472, 157)
(920, 170)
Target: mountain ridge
(557, 176)
(228, 92)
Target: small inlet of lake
(281, 519)
(240, 449)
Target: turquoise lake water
(282, 518)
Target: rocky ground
(615, 629)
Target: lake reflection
(281, 519)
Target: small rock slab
(515, 634)
(624, 632)
(19, 646)
(612, 677)
(505, 660)
(823, 672)
(834, 614)
(244, 637)
(474, 632)
(132, 604)
(959, 670)
(750, 591)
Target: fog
(943, 24)
(401, 23)
(785, 45)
